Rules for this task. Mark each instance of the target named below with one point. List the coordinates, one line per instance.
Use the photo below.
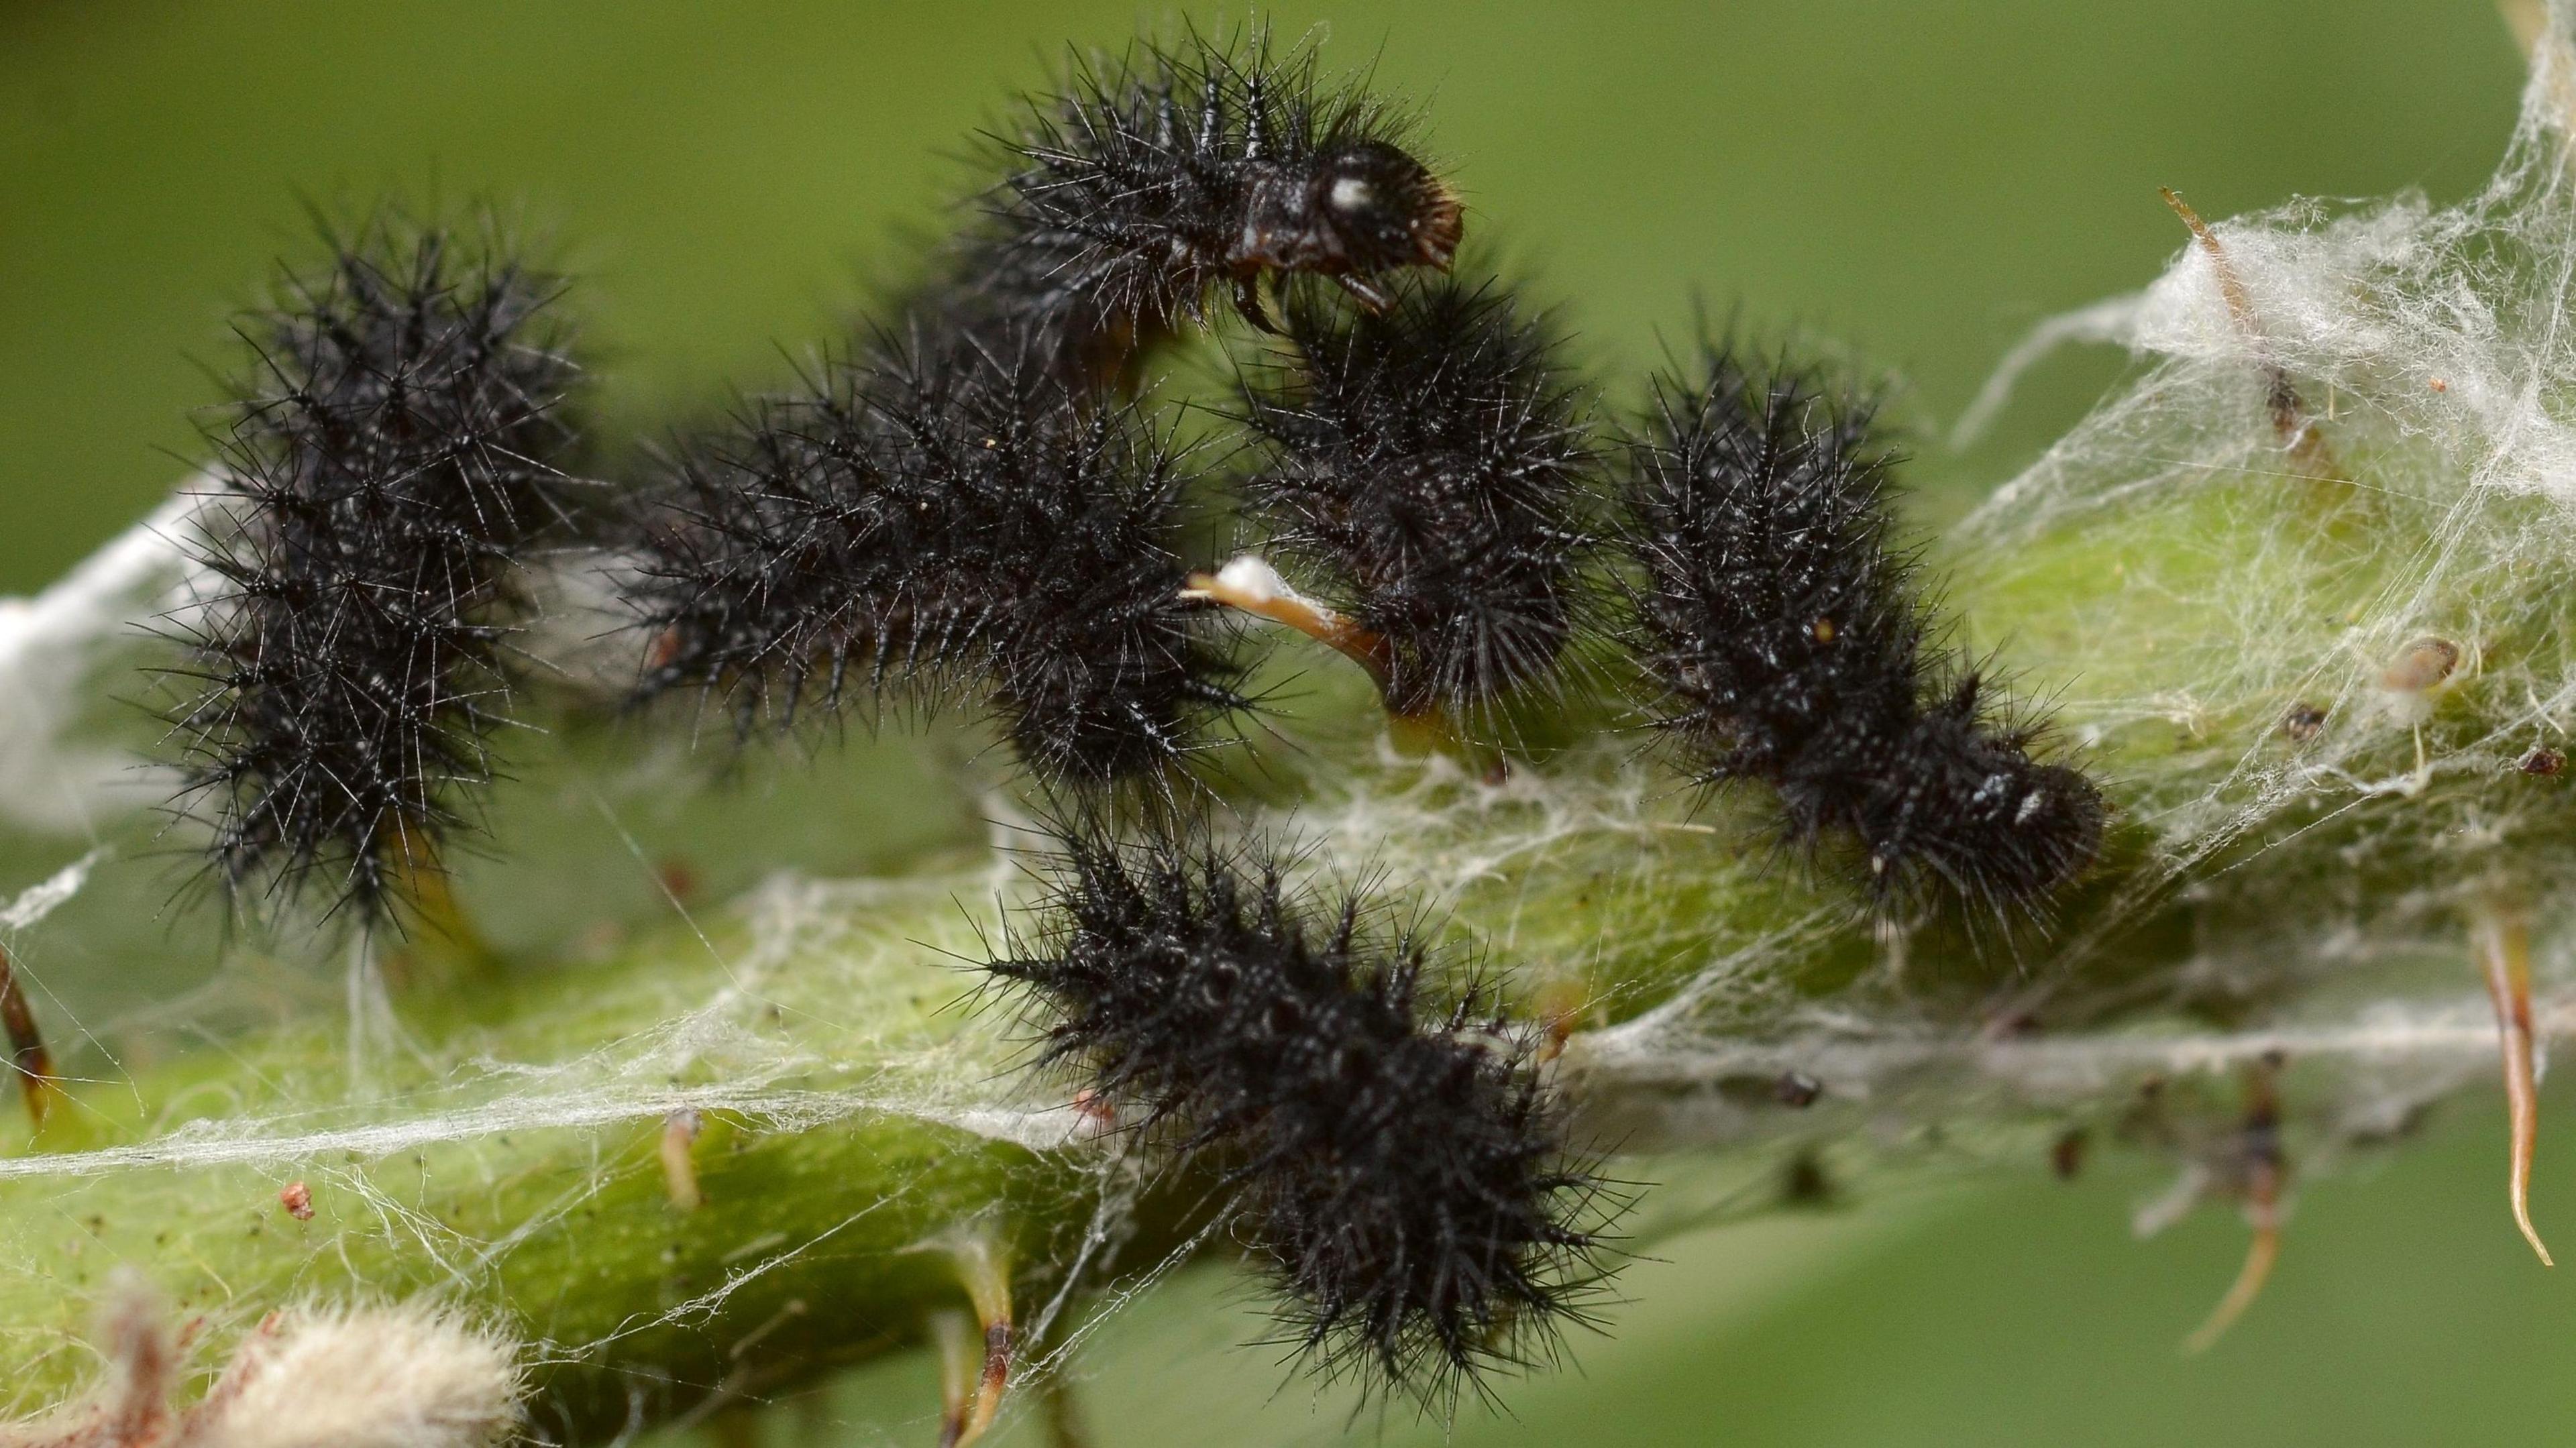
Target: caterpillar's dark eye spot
(1385, 210)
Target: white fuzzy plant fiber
(313, 1376)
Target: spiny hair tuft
(1791, 646)
(1430, 469)
(934, 522)
(1399, 1169)
(393, 451)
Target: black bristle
(774, 565)
(1149, 182)
(1399, 1171)
(1429, 472)
(1792, 647)
(392, 455)
(935, 523)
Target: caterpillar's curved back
(1150, 182)
(1430, 470)
(1792, 646)
(1398, 1168)
(940, 522)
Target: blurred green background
(1919, 182)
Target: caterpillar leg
(447, 938)
(1247, 300)
(131, 1406)
(1376, 299)
(1250, 585)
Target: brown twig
(34, 1065)
(679, 1160)
(2261, 1172)
(2503, 943)
(952, 1333)
(983, 1269)
(2291, 419)
(1252, 586)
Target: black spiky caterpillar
(392, 452)
(1792, 646)
(935, 522)
(1398, 1169)
(1146, 183)
(967, 516)
(1429, 467)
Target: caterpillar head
(1364, 208)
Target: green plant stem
(502, 1145)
